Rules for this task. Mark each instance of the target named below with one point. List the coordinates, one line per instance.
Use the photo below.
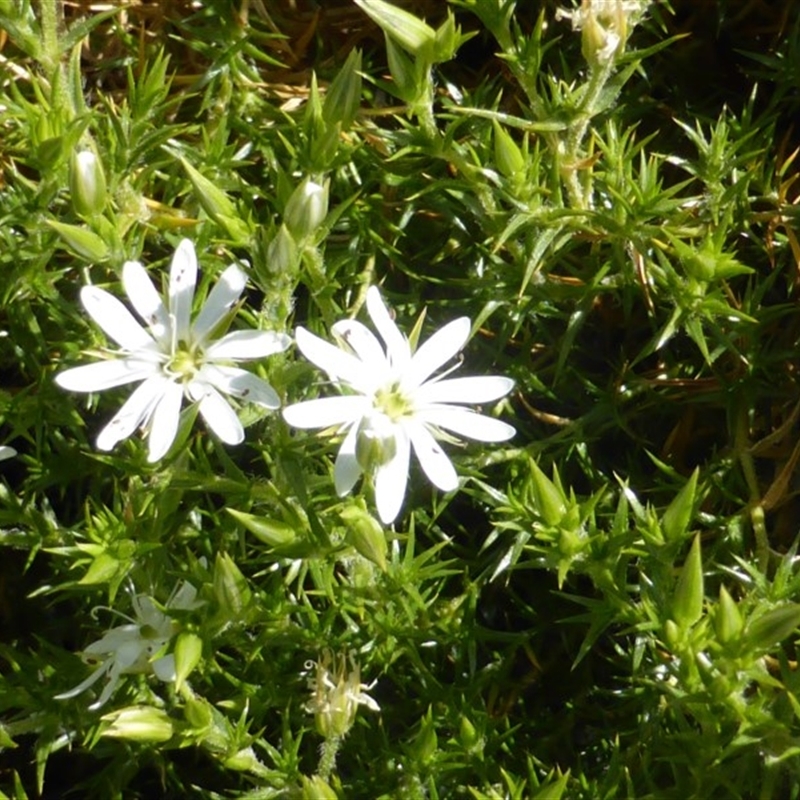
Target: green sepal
(188, 652)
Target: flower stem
(327, 760)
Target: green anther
(185, 363)
(392, 403)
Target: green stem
(327, 759)
(741, 447)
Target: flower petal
(241, 384)
(164, 421)
(247, 345)
(116, 321)
(93, 677)
(437, 350)
(146, 300)
(434, 461)
(479, 389)
(136, 411)
(397, 347)
(391, 480)
(363, 342)
(336, 362)
(221, 299)
(347, 470)
(220, 417)
(164, 668)
(113, 681)
(326, 411)
(466, 422)
(182, 281)
(105, 374)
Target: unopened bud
(375, 442)
(87, 183)
(306, 209)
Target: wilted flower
(336, 694)
(396, 404)
(130, 649)
(604, 25)
(174, 357)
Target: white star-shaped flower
(395, 405)
(130, 649)
(174, 357)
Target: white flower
(397, 405)
(129, 649)
(174, 357)
(6, 452)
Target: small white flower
(6, 452)
(396, 405)
(174, 357)
(129, 649)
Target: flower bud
(87, 183)
(138, 724)
(282, 252)
(306, 209)
(365, 534)
(375, 442)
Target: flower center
(392, 402)
(185, 362)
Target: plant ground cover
(250, 550)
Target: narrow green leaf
(678, 515)
(687, 602)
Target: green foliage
(608, 605)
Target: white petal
(241, 384)
(435, 463)
(112, 640)
(164, 668)
(164, 421)
(326, 411)
(135, 412)
(397, 347)
(220, 417)
(338, 364)
(94, 676)
(467, 423)
(347, 470)
(105, 375)
(363, 342)
(6, 452)
(146, 300)
(391, 480)
(479, 389)
(247, 345)
(182, 280)
(116, 321)
(109, 688)
(221, 299)
(440, 348)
